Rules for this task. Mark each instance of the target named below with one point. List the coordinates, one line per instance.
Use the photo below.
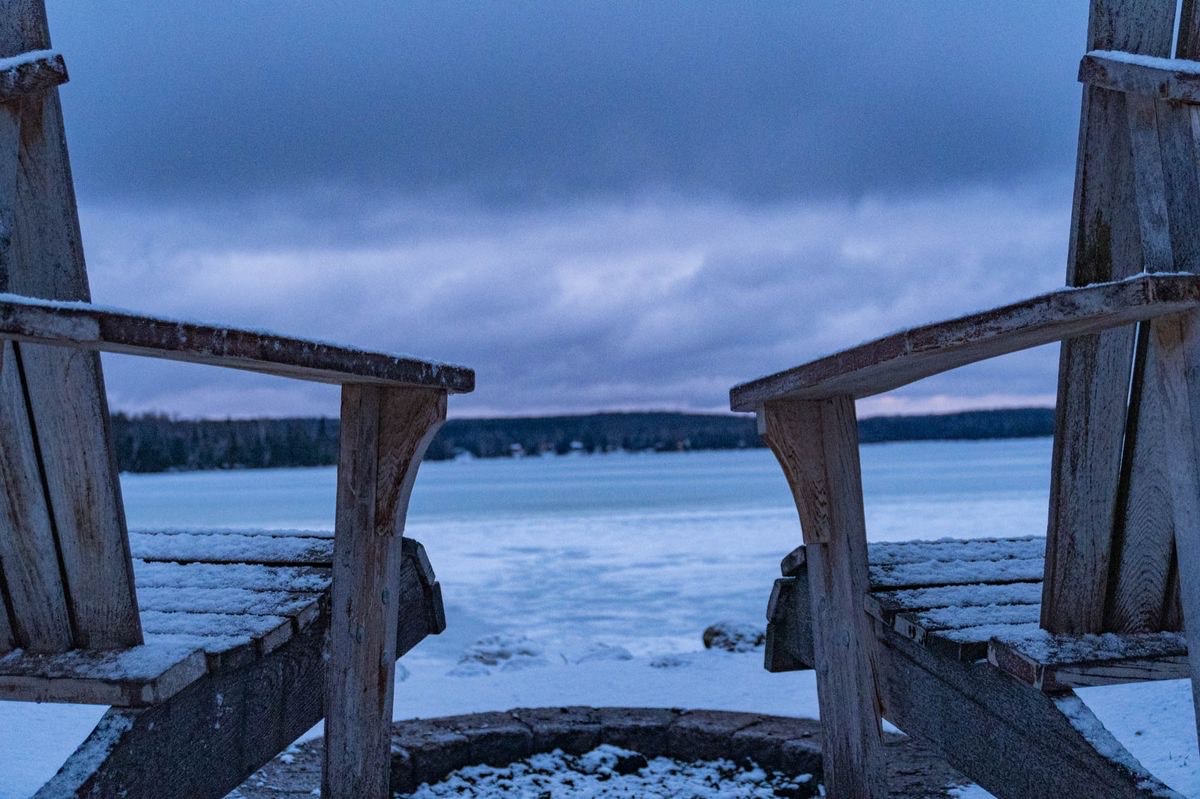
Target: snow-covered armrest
(30, 73)
(910, 355)
(88, 326)
(1176, 79)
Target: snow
(943, 572)
(231, 546)
(609, 771)
(1099, 736)
(1043, 647)
(969, 595)
(709, 679)
(138, 663)
(969, 792)
(976, 615)
(1154, 62)
(209, 576)
(1156, 723)
(980, 549)
(23, 59)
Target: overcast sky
(594, 204)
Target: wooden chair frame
(1121, 556)
(205, 720)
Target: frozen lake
(642, 551)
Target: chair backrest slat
(62, 389)
(1143, 594)
(33, 583)
(1095, 371)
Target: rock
(734, 637)
(506, 652)
(669, 662)
(602, 651)
(630, 763)
(492, 650)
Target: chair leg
(817, 446)
(384, 433)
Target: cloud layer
(600, 306)
(542, 102)
(595, 204)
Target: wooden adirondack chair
(975, 646)
(215, 650)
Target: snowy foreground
(1153, 720)
(613, 566)
(609, 772)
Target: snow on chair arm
(1176, 79)
(30, 73)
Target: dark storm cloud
(596, 205)
(539, 103)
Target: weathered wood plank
(1094, 371)
(887, 554)
(1142, 596)
(90, 327)
(31, 73)
(1053, 663)
(779, 652)
(28, 553)
(384, 435)
(1173, 355)
(1139, 587)
(883, 605)
(962, 633)
(7, 638)
(136, 677)
(29, 568)
(1174, 79)
(204, 623)
(414, 551)
(1187, 44)
(944, 573)
(1085, 479)
(65, 388)
(969, 644)
(1141, 547)
(968, 708)
(957, 549)
(910, 355)
(1149, 185)
(972, 616)
(240, 601)
(10, 149)
(80, 472)
(232, 547)
(245, 576)
(221, 652)
(209, 737)
(817, 443)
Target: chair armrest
(905, 357)
(87, 326)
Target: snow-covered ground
(614, 773)
(611, 567)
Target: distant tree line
(157, 443)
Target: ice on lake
(641, 551)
